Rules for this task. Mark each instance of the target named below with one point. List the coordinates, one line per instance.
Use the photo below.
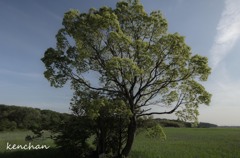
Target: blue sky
(28, 28)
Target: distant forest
(27, 118)
(173, 123)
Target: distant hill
(206, 125)
(18, 117)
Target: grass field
(18, 138)
(180, 143)
(190, 143)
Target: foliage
(15, 117)
(132, 57)
(104, 119)
(156, 132)
(5, 124)
(73, 135)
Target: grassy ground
(190, 143)
(180, 143)
(18, 138)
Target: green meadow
(180, 143)
(190, 143)
(18, 138)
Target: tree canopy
(128, 54)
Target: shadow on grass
(48, 153)
(142, 154)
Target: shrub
(156, 132)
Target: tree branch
(180, 101)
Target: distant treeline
(178, 123)
(149, 122)
(206, 125)
(172, 123)
(15, 117)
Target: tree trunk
(119, 137)
(131, 135)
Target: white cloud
(228, 32)
(22, 74)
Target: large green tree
(127, 52)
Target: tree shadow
(47, 153)
(142, 154)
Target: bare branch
(180, 101)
